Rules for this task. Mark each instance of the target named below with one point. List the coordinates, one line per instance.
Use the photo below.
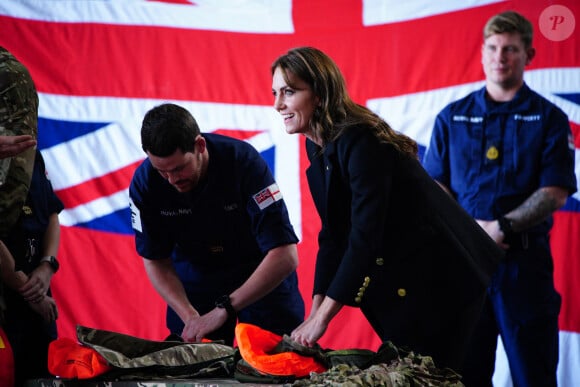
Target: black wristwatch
(52, 261)
(224, 302)
(505, 225)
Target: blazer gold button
(367, 281)
(358, 300)
(362, 290)
(360, 294)
(401, 292)
(380, 261)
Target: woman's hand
(310, 331)
(323, 311)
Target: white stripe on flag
(97, 208)
(391, 11)
(118, 144)
(255, 16)
(569, 360)
(400, 111)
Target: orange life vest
(6, 361)
(256, 344)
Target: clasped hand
(491, 227)
(197, 328)
(46, 308)
(309, 331)
(37, 285)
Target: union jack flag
(100, 65)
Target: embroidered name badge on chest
(268, 196)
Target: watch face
(54, 263)
(224, 302)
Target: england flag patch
(267, 196)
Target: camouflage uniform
(391, 367)
(18, 115)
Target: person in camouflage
(18, 134)
(18, 129)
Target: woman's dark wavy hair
(337, 112)
(167, 128)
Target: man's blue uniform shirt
(216, 234)
(494, 156)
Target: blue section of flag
(574, 97)
(571, 205)
(120, 220)
(53, 132)
(117, 222)
(422, 150)
(270, 156)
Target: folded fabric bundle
(260, 349)
(270, 358)
(129, 357)
(67, 358)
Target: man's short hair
(510, 22)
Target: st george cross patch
(268, 196)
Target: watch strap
(224, 302)
(505, 225)
(52, 261)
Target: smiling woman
(295, 101)
(392, 242)
(400, 59)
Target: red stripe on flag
(566, 252)
(186, 2)
(98, 187)
(576, 133)
(239, 134)
(193, 66)
(95, 267)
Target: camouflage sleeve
(18, 115)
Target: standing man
(214, 231)
(504, 153)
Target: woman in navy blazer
(392, 241)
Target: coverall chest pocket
(466, 142)
(524, 145)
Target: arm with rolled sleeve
(155, 247)
(557, 179)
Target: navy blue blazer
(392, 241)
